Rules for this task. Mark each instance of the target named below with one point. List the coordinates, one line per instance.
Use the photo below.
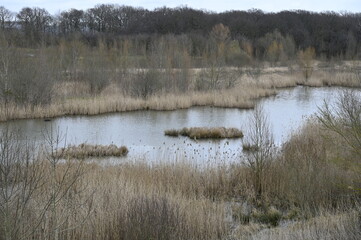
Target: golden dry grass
(178, 201)
(237, 98)
(135, 200)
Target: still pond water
(143, 131)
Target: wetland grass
(304, 184)
(175, 200)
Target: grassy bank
(75, 98)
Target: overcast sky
(55, 6)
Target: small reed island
(83, 151)
(205, 133)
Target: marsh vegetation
(114, 58)
(311, 183)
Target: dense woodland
(331, 34)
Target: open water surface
(143, 131)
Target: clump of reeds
(205, 133)
(86, 150)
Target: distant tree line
(144, 53)
(330, 34)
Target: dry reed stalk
(135, 194)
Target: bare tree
(5, 55)
(71, 56)
(216, 53)
(6, 18)
(145, 83)
(29, 85)
(34, 22)
(39, 199)
(259, 148)
(71, 21)
(21, 180)
(306, 59)
(69, 205)
(104, 18)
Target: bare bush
(344, 119)
(21, 179)
(306, 59)
(307, 174)
(146, 83)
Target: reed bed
(243, 98)
(178, 201)
(74, 98)
(83, 151)
(205, 133)
(135, 201)
(306, 185)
